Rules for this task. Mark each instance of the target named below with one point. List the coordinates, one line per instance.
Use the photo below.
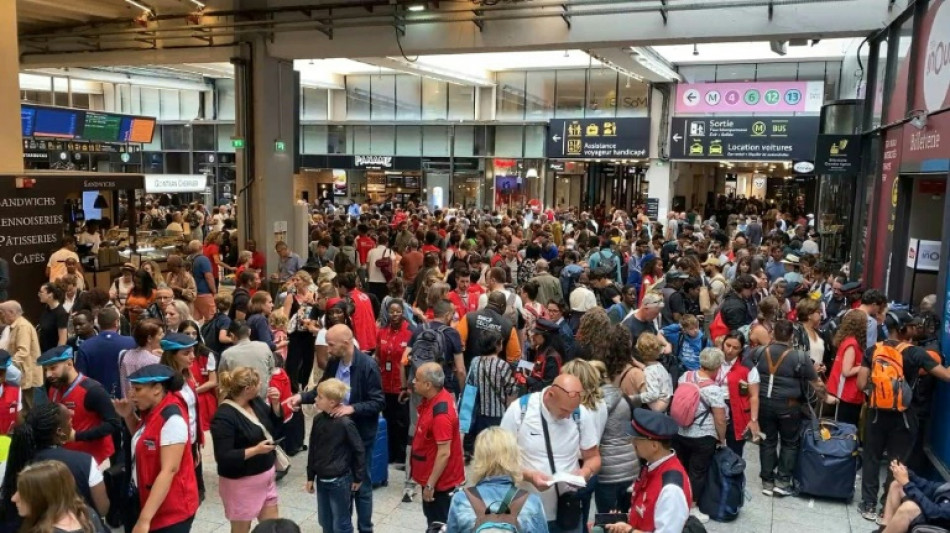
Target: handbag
(569, 503)
(468, 400)
(385, 265)
(282, 460)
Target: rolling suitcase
(379, 467)
(827, 460)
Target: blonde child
(278, 327)
(657, 389)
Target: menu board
(136, 130)
(101, 127)
(27, 120)
(55, 122)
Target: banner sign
(923, 255)
(744, 138)
(618, 138)
(759, 97)
(838, 154)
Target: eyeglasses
(554, 310)
(570, 394)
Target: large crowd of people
(521, 368)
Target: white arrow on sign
(677, 137)
(556, 138)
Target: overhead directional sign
(744, 138)
(607, 138)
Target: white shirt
(582, 299)
(566, 443)
(175, 431)
(191, 400)
(483, 299)
(810, 247)
(92, 239)
(375, 275)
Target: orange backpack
(889, 389)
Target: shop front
(593, 162)
(340, 179)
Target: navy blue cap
(55, 355)
(177, 341)
(5, 359)
(851, 286)
(652, 425)
(152, 374)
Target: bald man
(554, 414)
(363, 403)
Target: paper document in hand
(570, 479)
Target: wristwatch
(429, 487)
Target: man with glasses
(557, 311)
(164, 295)
(554, 437)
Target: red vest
(364, 321)
(181, 503)
(281, 381)
(740, 406)
(474, 292)
(646, 491)
(74, 398)
(207, 400)
(9, 408)
(392, 344)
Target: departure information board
(56, 122)
(27, 120)
(137, 130)
(101, 127)
(65, 123)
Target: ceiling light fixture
(198, 4)
(417, 7)
(141, 6)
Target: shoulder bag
(282, 461)
(569, 503)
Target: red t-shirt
(363, 245)
(438, 422)
(257, 260)
(209, 251)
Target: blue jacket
(98, 358)
(689, 355)
(493, 491)
(930, 496)
(366, 393)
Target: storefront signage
(838, 154)
(653, 208)
(761, 97)
(744, 138)
(804, 167)
(609, 138)
(370, 161)
(175, 183)
(923, 255)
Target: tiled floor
(760, 514)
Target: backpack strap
(523, 403)
(773, 367)
(517, 503)
(478, 504)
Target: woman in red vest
(204, 370)
(10, 401)
(843, 380)
(742, 392)
(179, 354)
(165, 492)
(391, 342)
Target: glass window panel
(534, 137)
(571, 91)
(898, 106)
(171, 110)
(336, 140)
(382, 140)
(634, 98)
(189, 105)
(777, 71)
(357, 97)
(61, 99)
(313, 139)
(204, 139)
(510, 96)
(434, 99)
(508, 141)
(464, 141)
(384, 98)
(81, 101)
(811, 71)
(737, 72)
(225, 132)
(435, 141)
(360, 140)
(539, 95)
(176, 137)
(877, 95)
(698, 73)
(409, 140)
(314, 103)
(832, 80)
(156, 144)
(408, 97)
(461, 102)
(225, 98)
(481, 143)
(149, 103)
(602, 93)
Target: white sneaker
(701, 516)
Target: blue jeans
(335, 504)
(612, 496)
(364, 496)
(585, 495)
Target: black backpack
(429, 347)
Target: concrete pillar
(11, 139)
(268, 185)
(661, 185)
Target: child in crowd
(687, 339)
(336, 461)
(293, 440)
(657, 388)
(278, 327)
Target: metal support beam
(663, 12)
(565, 16)
(480, 24)
(772, 10)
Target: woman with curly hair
(843, 380)
(591, 341)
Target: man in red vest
(94, 418)
(662, 493)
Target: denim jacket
(492, 491)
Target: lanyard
(69, 390)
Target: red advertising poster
(882, 221)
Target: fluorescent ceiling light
(417, 7)
(740, 52)
(198, 4)
(143, 7)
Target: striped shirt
(495, 382)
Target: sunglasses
(570, 394)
